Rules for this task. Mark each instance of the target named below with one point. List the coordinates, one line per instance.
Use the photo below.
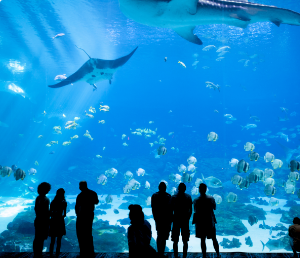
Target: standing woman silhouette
(41, 222)
(58, 211)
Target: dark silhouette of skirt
(57, 227)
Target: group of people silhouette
(166, 209)
(171, 214)
(50, 221)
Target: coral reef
(227, 244)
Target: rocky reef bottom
(20, 234)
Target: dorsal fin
(277, 22)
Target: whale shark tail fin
(187, 33)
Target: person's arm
(65, 210)
(149, 234)
(190, 207)
(153, 202)
(131, 237)
(214, 203)
(48, 206)
(194, 203)
(51, 209)
(77, 206)
(35, 206)
(96, 200)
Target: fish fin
(240, 17)
(277, 22)
(202, 177)
(263, 245)
(244, 20)
(187, 33)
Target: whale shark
(184, 15)
(95, 70)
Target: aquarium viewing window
(126, 94)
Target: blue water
(145, 89)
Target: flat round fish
(95, 70)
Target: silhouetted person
(181, 205)
(139, 234)
(294, 233)
(205, 220)
(41, 222)
(58, 211)
(84, 208)
(162, 214)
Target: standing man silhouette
(162, 214)
(181, 206)
(84, 208)
(205, 220)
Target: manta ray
(184, 15)
(95, 70)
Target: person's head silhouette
(181, 188)
(44, 188)
(296, 220)
(162, 187)
(202, 188)
(82, 185)
(60, 194)
(136, 214)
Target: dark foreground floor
(169, 255)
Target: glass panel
(93, 90)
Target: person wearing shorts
(205, 220)
(181, 205)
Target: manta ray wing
(113, 64)
(77, 76)
(90, 65)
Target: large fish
(184, 15)
(95, 70)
